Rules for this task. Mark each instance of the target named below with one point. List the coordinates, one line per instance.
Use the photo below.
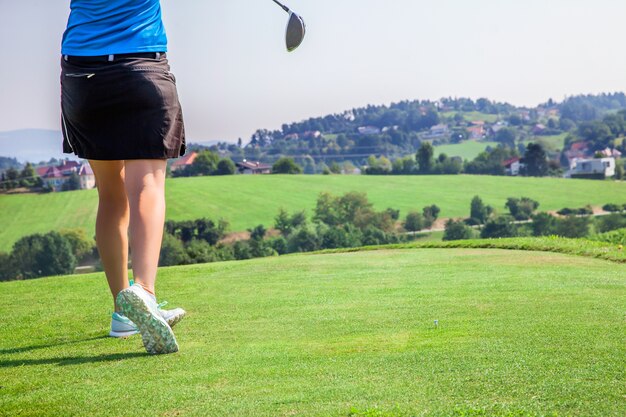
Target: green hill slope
(246, 201)
(347, 334)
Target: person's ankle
(149, 290)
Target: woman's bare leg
(112, 223)
(145, 188)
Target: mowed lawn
(247, 201)
(348, 334)
(467, 150)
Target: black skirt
(125, 109)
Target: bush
(172, 251)
(303, 239)
(543, 224)
(286, 166)
(346, 236)
(457, 230)
(225, 167)
(499, 227)
(414, 222)
(7, 271)
(611, 222)
(583, 211)
(613, 208)
(521, 209)
(82, 246)
(279, 244)
(616, 237)
(573, 227)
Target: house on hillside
(253, 168)
(611, 153)
(56, 176)
(594, 168)
(183, 162)
(513, 166)
(86, 177)
(369, 130)
(476, 132)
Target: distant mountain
(32, 145)
(36, 145)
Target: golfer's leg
(112, 223)
(145, 187)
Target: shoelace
(161, 305)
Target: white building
(592, 168)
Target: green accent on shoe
(141, 308)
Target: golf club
(295, 28)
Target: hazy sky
(234, 75)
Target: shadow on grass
(36, 347)
(72, 360)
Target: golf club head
(295, 31)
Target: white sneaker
(172, 317)
(141, 308)
(121, 326)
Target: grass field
(246, 201)
(474, 116)
(467, 150)
(550, 143)
(348, 334)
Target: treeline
(344, 221)
(490, 162)
(338, 222)
(523, 220)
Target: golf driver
(295, 28)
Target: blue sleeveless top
(104, 27)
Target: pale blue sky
(234, 75)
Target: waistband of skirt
(112, 57)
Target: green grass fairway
(346, 334)
(467, 150)
(247, 201)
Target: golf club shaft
(285, 8)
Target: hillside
(246, 201)
(345, 334)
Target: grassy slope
(520, 333)
(467, 150)
(247, 201)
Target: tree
(573, 227)
(543, 224)
(414, 222)
(72, 183)
(478, 212)
(42, 255)
(457, 230)
(424, 158)
(82, 246)
(225, 167)
(535, 161)
(28, 176)
(506, 136)
(286, 166)
(172, 251)
(498, 227)
(430, 213)
(205, 163)
(521, 209)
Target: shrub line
(578, 247)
